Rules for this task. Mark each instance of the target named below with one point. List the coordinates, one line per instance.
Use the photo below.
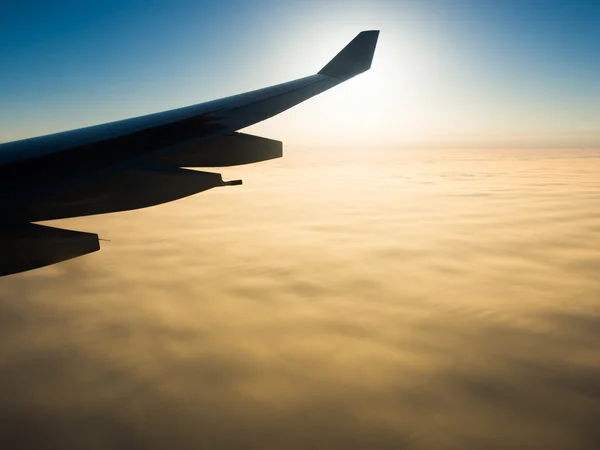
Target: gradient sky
(447, 72)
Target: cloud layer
(372, 299)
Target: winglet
(355, 58)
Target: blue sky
(517, 72)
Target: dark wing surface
(135, 163)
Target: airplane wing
(136, 163)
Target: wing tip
(355, 58)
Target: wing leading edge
(38, 173)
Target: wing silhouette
(137, 162)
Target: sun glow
(377, 104)
(394, 101)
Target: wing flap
(28, 246)
(125, 191)
(230, 150)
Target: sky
(447, 73)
